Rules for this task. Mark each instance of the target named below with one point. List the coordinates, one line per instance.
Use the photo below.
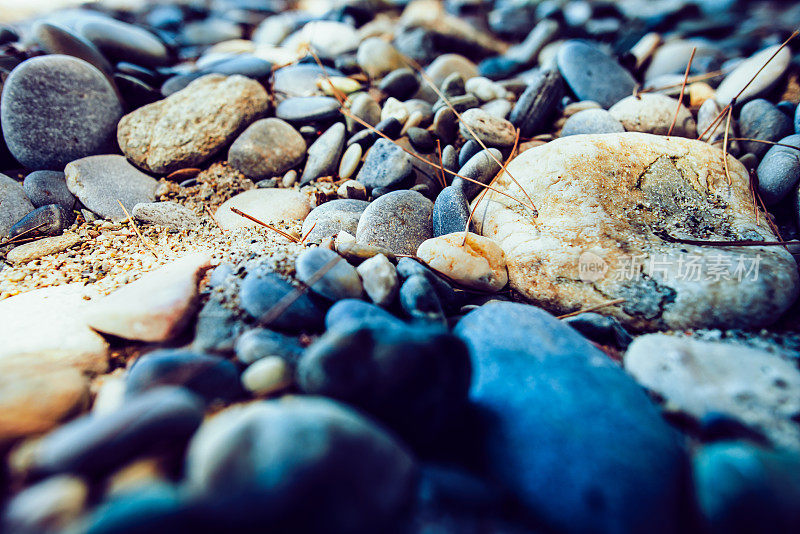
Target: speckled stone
(398, 222)
(268, 147)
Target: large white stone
(267, 205)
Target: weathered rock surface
(267, 205)
(478, 263)
(605, 203)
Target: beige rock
(479, 263)
(50, 324)
(604, 202)
(42, 247)
(267, 375)
(493, 131)
(653, 113)
(267, 205)
(37, 394)
(190, 126)
(52, 505)
(155, 307)
(746, 71)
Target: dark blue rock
(408, 267)
(8, 34)
(390, 127)
(48, 220)
(482, 168)
(450, 159)
(95, 445)
(759, 119)
(241, 64)
(534, 110)
(593, 75)
(450, 211)
(359, 312)
(591, 121)
(338, 282)
(575, 439)
(150, 77)
(218, 325)
(445, 125)
(601, 329)
(211, 377)
(155, 508)
(261, 292)
(386, 165)
(779, 171)
(421, 139)
(419, 300)
(744, 488)
(56, 109)
(135, 93)
(498, 67)
(264, 465)
(178, 82)
(468, 150)
(306, 110)
(414, 379)
(259, 343)
(400, 83)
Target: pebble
(653, 113)
(56, 109)
(600, 329)
(394, 109)
(445, 125)
(386, 165)
(398, 221)
(352, 189)
(593, 75)
(156, 307)
(358, 312)
(168, 214)
(95, 445)
(415, 380)
(50, 220)
(333, 217)
(744, 72)
(536, 106)
(260, 293)
(329, 38)
(379, 278)
(227, 466)
(591, 121)
(365, 108)
(481, 168)
(42, 247)
(241, 64)
(48, 187)
(57, 40)
(267, 205)
(407, 267)
(450, 211)
(350, 161)
(324, 154)
(779, 170)
(53, 503)
(377, 57)
(260, 343)
(309, 109)
(15, 204)
(533, 373)
(187, 128)
(421, 140)
(301, 80)
(706, 116)
(419, 300)
(267, 376)
(100, 181)
(401, 83)
(268, 147)
(217, 326)
(289, 179)
(209, 377)
(125, 42)
(478, 263)
(499, 108)
(489, 129)
(485, 89)
(340, 281)
(447, 64)
(759, 119)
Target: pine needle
(683, 88)
(135, 229)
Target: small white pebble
(267, 375)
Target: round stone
(56, 109)
(267, 375)
(304, 110)
(492, 130)
(398, 222)
(742, 75)
(779, 171)
(653, 113)
(591, 121)
(377, 57)
(350, 160)
(759, 119)
(268, 147)
(386, 166)
(333, 217)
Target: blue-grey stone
(264, 464)
(308, 109)
(14, 205)
(97, 444)
(414, 379)
(400, 83)
(386, 165)
(338, 282)
(468, 150)
(48, 220)
(261, 292)
(797, 120)
(120, 41)
(178, 82)
(359, 312)
(759, 119)
(333, 217)
(398, 222)
(779, 171)
(481, 167)
(242, 64)
(407, 267)
(593, 75)
(450, 211)
(57, 40)
(745, 488)
(259, 343)
(419, 300)
(602, 329)
(211, 377)
(155, 508)
(536, 106)
(575, 439)
(324, 154)
(217, 326)
(591, 121)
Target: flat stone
(100, 181)
(479, 263)
(548, 399)
(338, 282)
(48, 187)
(398, 222)
(324, 154)
(267, 205)
(268, 147)
(779, 170)
(759, 119)
(591, 121)
(386, 165)
(379, 278)
(351, 159)
(593, 75)
(744, 72)
(156, 307)
(653, 113)
(125, 42)
(701, 378)
(14, 206)
(188, 127)
(51, 324)
(595, 192)
(488, 128)
(42, 247)
(309, 109)
(56, 109)
(333, 217)
(169, 214)
(57, 40)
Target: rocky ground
(376, 266)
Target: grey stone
(338, 282)
(492, 131)
(169, 214)
(309, 109)
(324, 154)
(47, 220)
(365, 108)
(333, 217)
(386, 165)
(14, 205)
(57, 40)
(48, 187)
(779, 171)
(482, 168)
(537, 104)
(261, 291)
(419, 300)
(591, 121)
(398, 221)
(260, 343)
(450, 211)
(125, 42)
(593, 75)
(268, 147)
(759, 119)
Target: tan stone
(190, 126)
(42, 247)
(653, 113)
(155, 307)
(479, 263)
(267, 205)
(605, 201)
